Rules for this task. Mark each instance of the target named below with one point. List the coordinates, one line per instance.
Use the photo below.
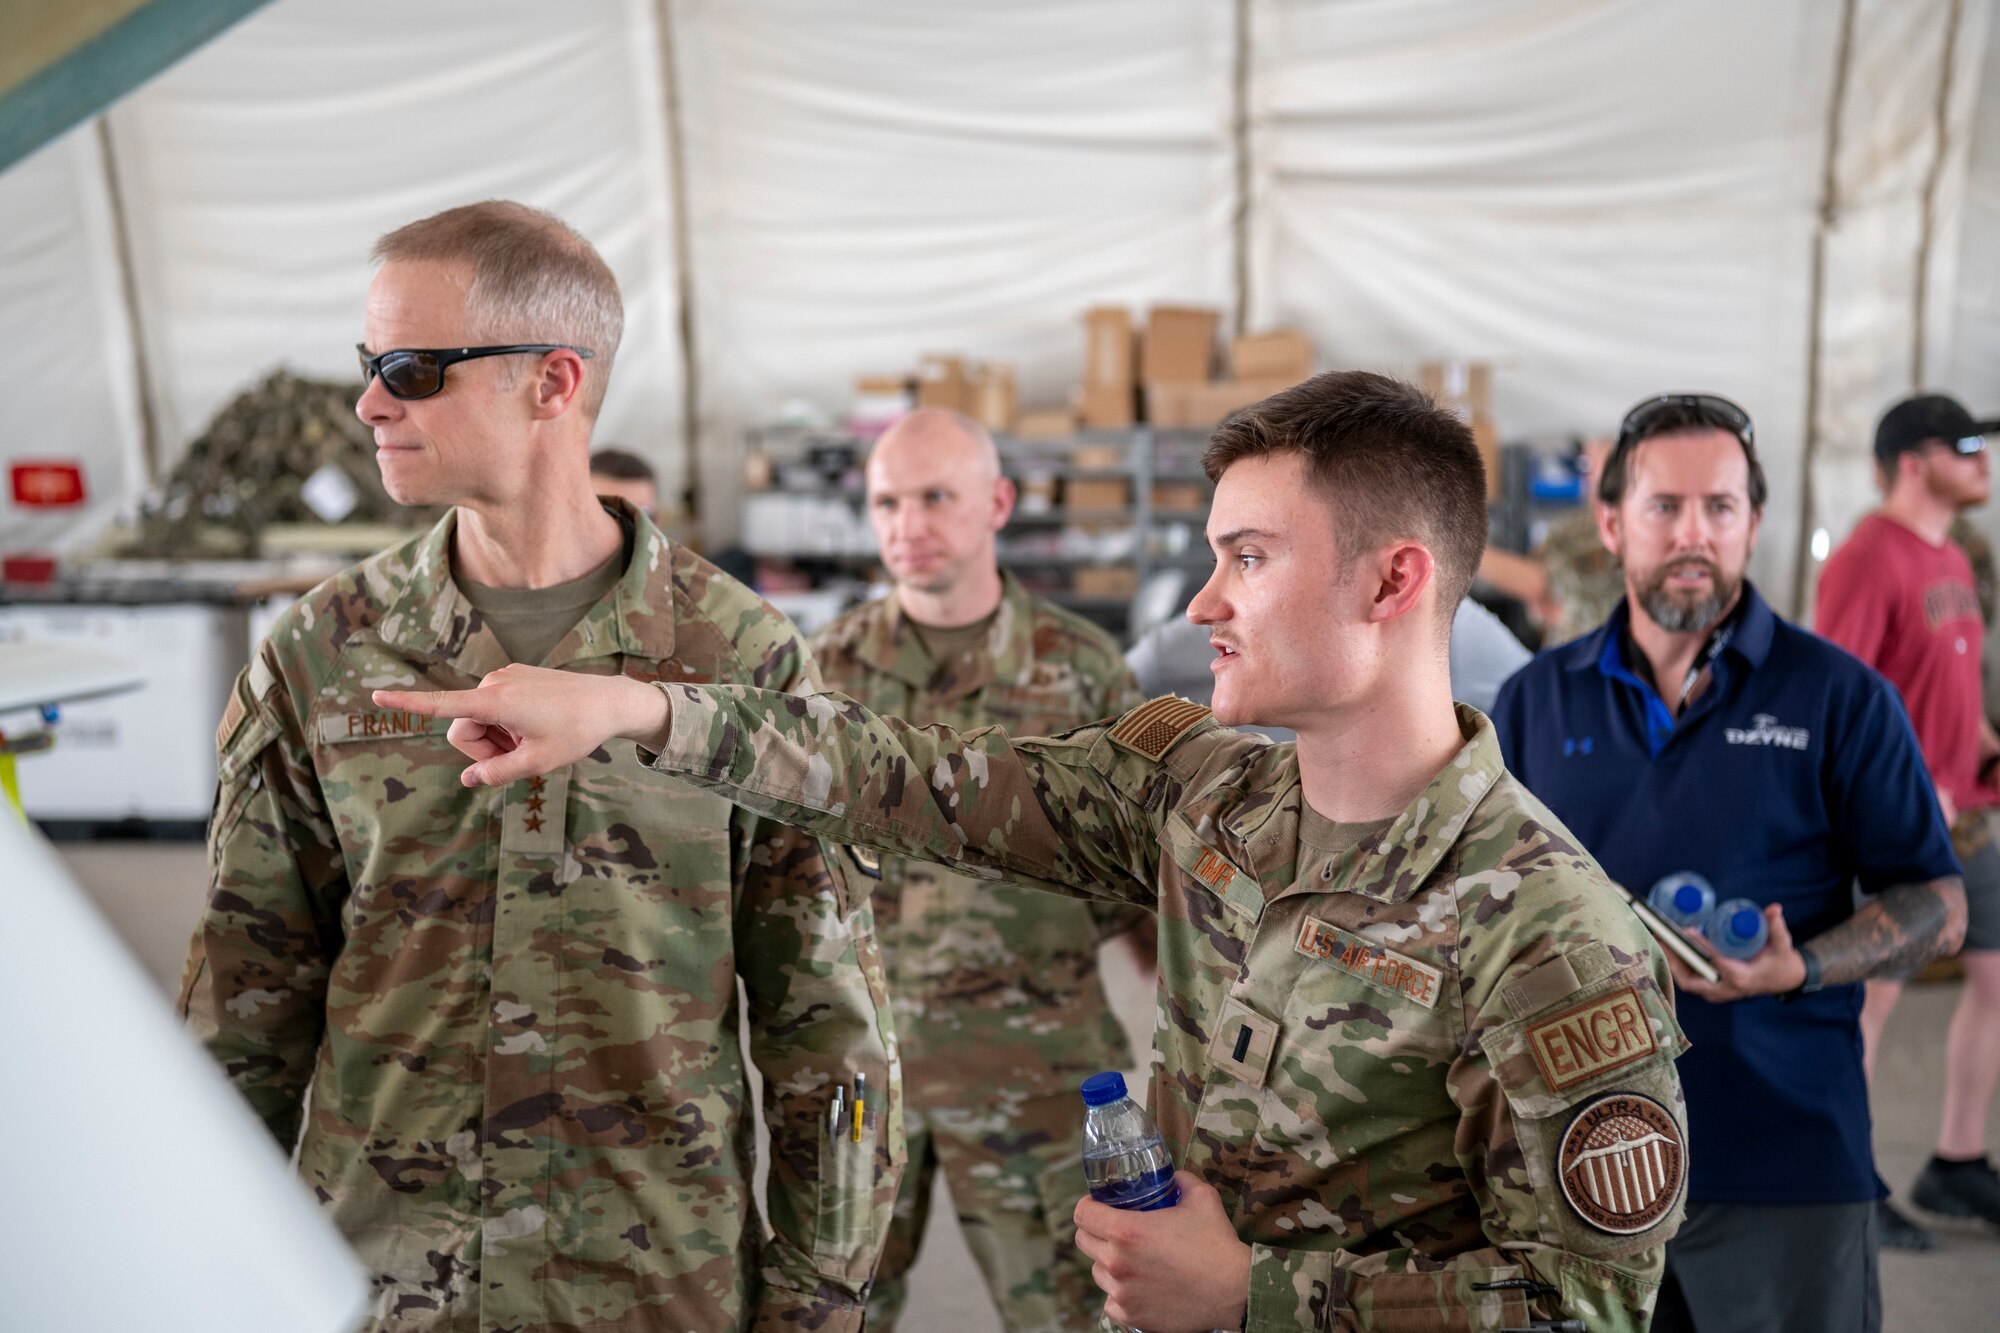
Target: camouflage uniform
(999, 1010)
(517, 1008)
(1585, 579)
(1407, 1067)
(1986, 584)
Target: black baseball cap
(1915, 422)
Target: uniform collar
(1392, 867)
(890, 644)
(430, 617)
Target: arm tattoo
(1897, 928)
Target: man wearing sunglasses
(1902, 598)
(500, 1028)
(1696, 731)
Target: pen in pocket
(860, 1103)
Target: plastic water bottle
(1684, 898)
(1125, 1162)
(1737, 929)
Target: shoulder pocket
(1588, 1073)
(243, 736)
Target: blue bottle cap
(1687, 898)
(1103, 1089)
(1743, 923)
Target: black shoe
(1958, 1189)
(1893, 1231)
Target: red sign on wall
(48, 485)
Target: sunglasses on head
(410, 372)
(1638, 422)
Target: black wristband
(1812, 982)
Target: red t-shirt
(1909, 610)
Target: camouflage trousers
(1015, 1172)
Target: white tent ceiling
(1605, 197)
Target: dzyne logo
(1764, 730)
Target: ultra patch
(1622, 1163)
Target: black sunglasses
(1966, 445)
(1639, 419)
(419, 372)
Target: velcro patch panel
(1155, 726)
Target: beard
(1682, 612)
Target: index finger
(433, 703)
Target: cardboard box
(996, 404)
(1097, 493)
(1180, 343)
(1486, 436)
(1114, 582)
(1045, 423)
(1108, 407)
(942, 382)
(879, 399)
(1107, 349)
(1463, 387)
(1178, 497)
(1198, 406)
(1097, 457)
(1279, 355)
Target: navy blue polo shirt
(1794, 775)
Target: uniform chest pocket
(1361, 1010)
(1036, 710)
(391, 785)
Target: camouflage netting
(245, 471)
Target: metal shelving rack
(1142, 468)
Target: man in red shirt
(1901, 597)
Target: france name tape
(1371, 962)
(376, 725)
(1592, 1038)
(1622, 1163)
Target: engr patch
(1591, 1038)
(1622, 1163)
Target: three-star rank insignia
(1622, 1163)
(531, 816)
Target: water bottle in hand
(1125, 1162)
(1684, 898)
(1737, 929)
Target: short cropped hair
(1681, 418)
(621, 465)
(534, 280)
(1391, 463)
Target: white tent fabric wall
(1970, 363)
(68, 346)
(1904, 53)
(257, 173)
(1606, 199)
(1638, 224)
(878, 182)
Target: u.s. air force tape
(1622, 1163)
